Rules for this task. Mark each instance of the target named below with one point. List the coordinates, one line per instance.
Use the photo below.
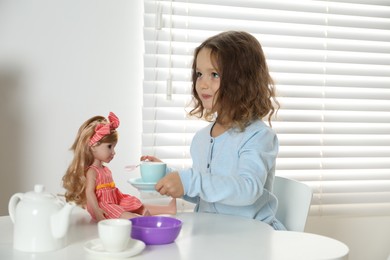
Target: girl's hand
(150, 158)
(170, 185)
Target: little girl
(234, 157)
(88, 182)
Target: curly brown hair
(246, 91)
(74, 180)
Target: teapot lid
(39, 193)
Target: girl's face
(208, 80)
(104, 152)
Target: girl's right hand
(150, 158)
(171, 185)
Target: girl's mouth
(204, 96)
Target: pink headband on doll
(101, 130)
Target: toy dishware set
(41, 223)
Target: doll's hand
(100, 214)
(170, 185)
(150, 158)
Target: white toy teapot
(41, 220)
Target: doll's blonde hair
(74, 180)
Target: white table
(203, 236)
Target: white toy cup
(114, 234)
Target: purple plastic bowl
(155, 230)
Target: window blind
(331, 64)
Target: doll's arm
(91, 195)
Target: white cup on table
(114, 234)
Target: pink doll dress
(110, 198)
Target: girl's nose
(203, 83)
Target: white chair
(294, 199)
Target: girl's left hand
(170, 185)
(150, 158)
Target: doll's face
(104, 152)
(207, 83)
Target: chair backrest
(294, 199)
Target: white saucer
(139, 184)
(95, 247)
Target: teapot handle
(12, 205)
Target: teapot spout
(60, 220)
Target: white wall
(68, 60)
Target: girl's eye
(215, 75)
(198, 74)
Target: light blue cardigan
(233, 173)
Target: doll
(88, 181)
